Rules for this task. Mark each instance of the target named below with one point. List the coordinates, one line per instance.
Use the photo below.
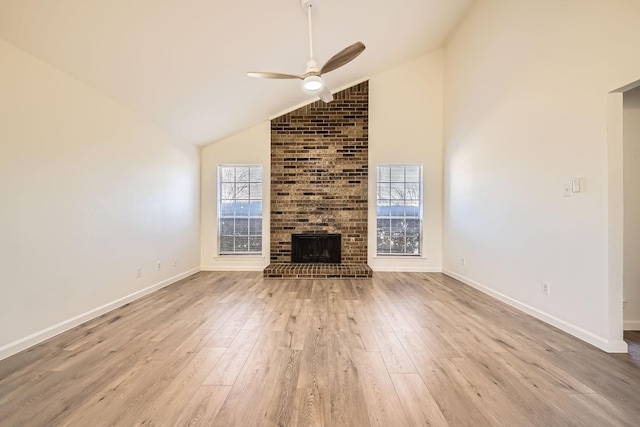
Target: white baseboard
(40, 336)
(405, 269)
(632, 325)
(236, 263)
(402, 264)
(610, 346)
(232, 268)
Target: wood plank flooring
(401, 349)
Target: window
(240, 210)
(399, 212)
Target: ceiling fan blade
(325, 94)
(343, 57)
(261, 75)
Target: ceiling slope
(183, 63)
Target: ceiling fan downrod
(311, 63)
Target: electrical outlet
(138, 272)
(175, 262)
(567, 190)
(546, 288)
(463, 261)
(158, 265)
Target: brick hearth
(318, 271)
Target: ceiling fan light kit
(313, 83)
(312, 77)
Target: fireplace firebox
(316, 248)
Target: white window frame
(228, 192)
(391, 203)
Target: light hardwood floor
(234, 349)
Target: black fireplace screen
(316, 248)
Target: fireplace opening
(316, 248)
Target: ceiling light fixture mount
(307, 3)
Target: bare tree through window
(399, 209)
(240, 209)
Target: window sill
(396, 257)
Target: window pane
(240, 216)
(227, 191)
(383, 244)
(255, 174)
(412, 208)
(226, 243)
(226, 226)
(255, 190)
(413, 245)
(255, 226)
(383, 208)
(242, 227)
(397, 173)
(397, 227)
(384, 190)
(397, 245)
(413, 227)
(397, 209)
(228, 209)
(384, 226)
(255, 208)
(242, 174)
(384, 174)
(399, 198)
(242, 190)
(242, 208)
(412, 191)
(413, 173)
(255, 244)
(227, 174)
(242, 244)
(397, 191)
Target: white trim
(616, 346)
(236, 263)
(239, 257)
(615, 215)
(627, 87)
(40, 336)
(632, 325)
(227, 267)
(403, 264)
(405, 269)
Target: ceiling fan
(312, 77)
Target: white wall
(631, 148)
(252, 146)
(405, 126)
(89, 191)
(526, 87)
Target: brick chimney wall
(319, 174)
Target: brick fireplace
(319, 182)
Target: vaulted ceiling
(183, 63)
